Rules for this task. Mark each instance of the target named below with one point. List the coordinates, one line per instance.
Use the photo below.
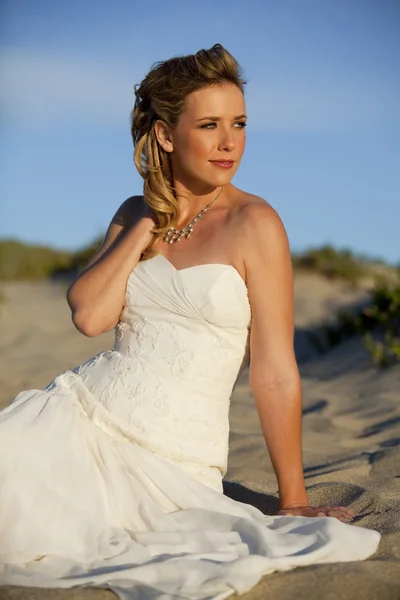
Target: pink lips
(224, 164)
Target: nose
(228, 141)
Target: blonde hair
(162, 96)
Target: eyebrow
(219, 118)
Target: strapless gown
(111, 476)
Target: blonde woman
(112, 475)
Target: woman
(112, 475)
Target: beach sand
(351, 433)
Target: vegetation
(378, 324)
(20, 261)
(333, 264)
(24, 261)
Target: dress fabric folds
(111, 476)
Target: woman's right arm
(96, 297)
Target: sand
(351, 432)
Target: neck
(191, 204)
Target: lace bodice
(179, 345)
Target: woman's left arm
(274, 376)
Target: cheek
(199, 145)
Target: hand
(339, 512)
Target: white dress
(112, 475)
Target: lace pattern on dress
(142, 338)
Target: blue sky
(323, 97)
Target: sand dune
(351, 425)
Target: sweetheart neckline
(200, 265)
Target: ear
(164, 136)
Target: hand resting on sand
(339, 512)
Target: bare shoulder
(262, 233)
(250, 208)
(255, 212)
(124, 217)
(129, 211)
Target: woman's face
(211, 128)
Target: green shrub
(23, 261)
(378, 324)
(332, 263)
(19, 261)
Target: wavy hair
(162, 96)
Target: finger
(339, 509)
(347, 510)
(341, 514)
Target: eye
(207, 125)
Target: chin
(218, 179)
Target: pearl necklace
(175, 235)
